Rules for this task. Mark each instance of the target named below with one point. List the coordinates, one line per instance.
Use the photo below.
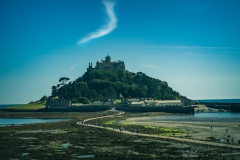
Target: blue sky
(193, 45)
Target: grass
(164, 131)
(129, 123)
(118, 101)
(116, 122)
(31, 106)
(111, 122)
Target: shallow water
(83, 156)
(65, 145)
(9, 105)
(24, 154)
(217, 116)
(53, 131)
(18, 121)
(79, 147)
(219, 100)
(27, 138)
(86, 156)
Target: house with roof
(165, 103)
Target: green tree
(43, 99)
(103, 84)
(83, 100)
(54, 90)
(63, 80)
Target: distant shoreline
(9, 105)
(218, 100)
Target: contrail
(105, 30)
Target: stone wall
(90, 108)
(235, 108)
(173, 109)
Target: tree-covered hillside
(104, 84)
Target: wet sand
(207, 129)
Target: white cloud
(106, 29)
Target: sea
(20, 121)
(9, 105)
(208, 117)
(218, 100)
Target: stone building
(58, 103)
(107, 64)
(153, 103)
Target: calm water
(8, 105)
(219, 100)
(18, 121)
(219, 116)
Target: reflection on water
(83, 156)
(27, 138)
(24, 154)
(219, 116)
(65, 145)
(79, 147)
(86, 156)
(17, 121)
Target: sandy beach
(207, 129)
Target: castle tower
(108, 59)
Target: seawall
(173, 109)
(90, 108)
(233, 107)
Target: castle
(107, 64)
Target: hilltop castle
(107, 64)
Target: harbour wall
(169, 109)
(90, 108)
(233, 107)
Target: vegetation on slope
(100, 85)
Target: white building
(140, 103)
(151, 102)
(154, 103)
(164, 103)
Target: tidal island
(109, 85)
